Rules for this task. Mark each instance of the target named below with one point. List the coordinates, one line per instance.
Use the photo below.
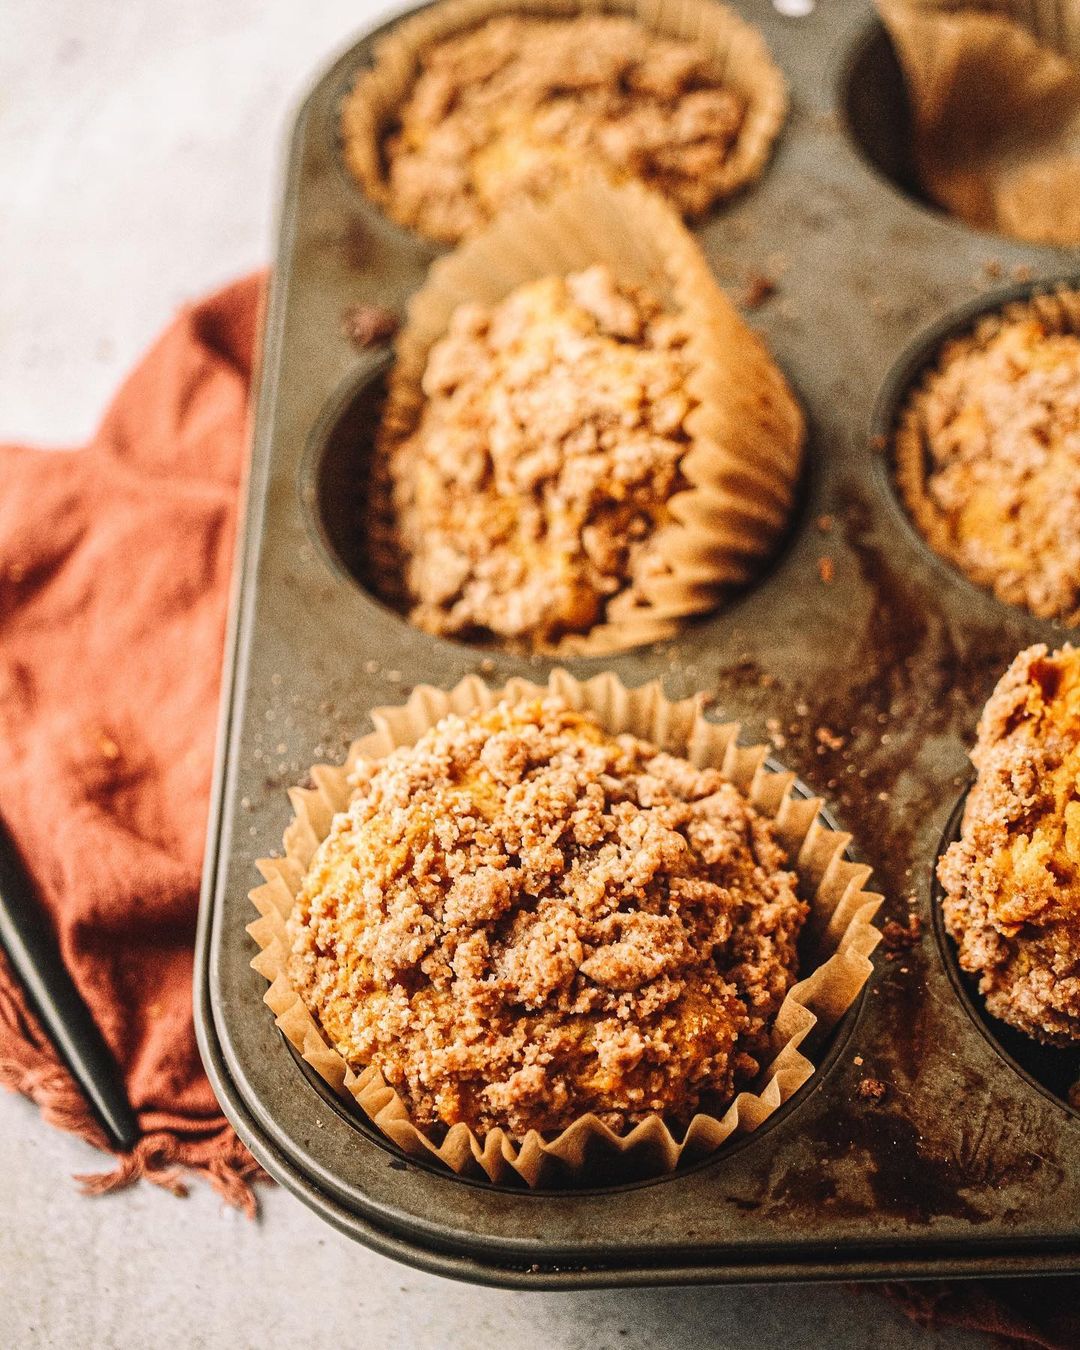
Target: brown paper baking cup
(839, 935)
(1059, 312)
(994, 87)
(737, 50)
(746, 432)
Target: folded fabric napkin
(114, 573)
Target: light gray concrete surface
(139, 145)
(143, 1269)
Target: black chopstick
(28, 940)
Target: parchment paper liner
(839, 932)
(747, 430)
(738, 50)
(1059, 311)
(994, 88)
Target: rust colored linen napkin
(114, 573)
(1025, 1314)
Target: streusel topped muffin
(518, 105)
(1012, 880)
(521, 919)
(989, 464)
(531, 492)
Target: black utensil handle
(31, 947)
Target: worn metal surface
(965, 1165)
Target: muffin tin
(864, 656)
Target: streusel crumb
(999, 491)
(529, 495)
(522, 919)
(516, 107)
(1012, 880)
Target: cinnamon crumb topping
(516, 107)
(999, 492)
(521, 919)
(527, 499)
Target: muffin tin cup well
(746, 433)
(876, 111)
(934, 64)
(335, 488)
(910, 1152)
(824, 1044)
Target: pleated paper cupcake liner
(1059, 312)
(737, 51)
(994, 87)
(838, 938)
(747, 431)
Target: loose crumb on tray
(897, 937)
(522, 919)
(368, 325)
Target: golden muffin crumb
(997, 491)
(1012, 880)
(518, 105)
(528, 496)
(522, 919)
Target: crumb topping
(522, 919)
(516, 106)
(529, 495)
(1012, 880)
(1000, 491)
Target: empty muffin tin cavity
(874, 102)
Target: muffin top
(526, 500)
(1012, 881)
(997, 488)
(522, 918)
(514, 107)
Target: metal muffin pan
(965, 1165)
